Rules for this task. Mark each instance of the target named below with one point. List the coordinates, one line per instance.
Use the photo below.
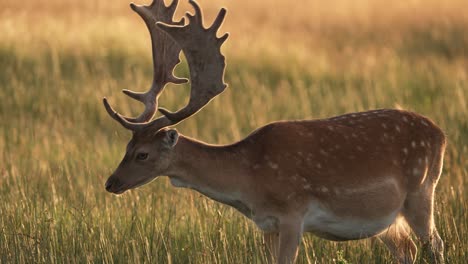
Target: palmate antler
(165, 57)
(201, 47)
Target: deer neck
(209, 170)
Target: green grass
(58, 145)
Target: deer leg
(271, 240)
(398, 241)
(419, 214)
(290, 234)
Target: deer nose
(111, 181)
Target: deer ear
(171, 138)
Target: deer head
(149, 152)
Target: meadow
(285, 60)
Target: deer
(370, 174)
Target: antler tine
(198, 16)
(119, 118)
(165, 52)
(172, 8)
(218, 20)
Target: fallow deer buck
(348, 177)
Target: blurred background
(285, 60)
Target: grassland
(285, 61)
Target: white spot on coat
(291, 195)
(273, 165)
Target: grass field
(285, 61)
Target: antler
(201, 47)
(165, 57)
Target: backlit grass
(285, 61)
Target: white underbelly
(325, 224)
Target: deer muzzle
(114, 185)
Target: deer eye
(142, 156)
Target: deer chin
(126, 187)
(120, 191)
(137, 184)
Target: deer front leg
(290, 235)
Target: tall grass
(285, 61)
